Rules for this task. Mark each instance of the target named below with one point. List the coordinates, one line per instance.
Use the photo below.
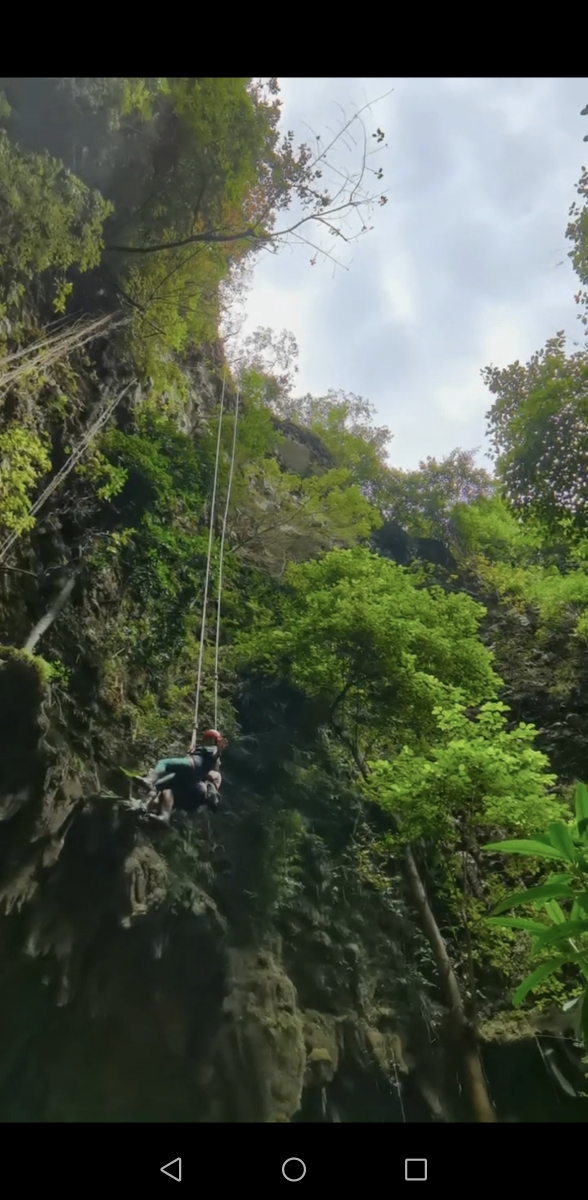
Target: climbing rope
(207, 576)
(69, 336)
(221, 560)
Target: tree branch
(243, 235)
(17, 570)
(52, 612)
(461, 1027)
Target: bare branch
(349, 196)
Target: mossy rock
(373, 1048)
(259, 1053)
(322, 1048)
(507, 1027)
(515, 1026)
(42, 669)
(146, 874)
(23, 724)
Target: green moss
(507, 1027)
(320, 1054)
(322, 1048)
(44, 670)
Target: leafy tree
(163, 473)
(379, 656)
(564, 937)
(272, 357)
(356, 632)
(285, 518)
(196, 176)
(535, 592)
(230, 127)
(479, 774)
(277, 516)
(49, 222)
(487, 531)
(423, 501)
(577, 232)
(226, 175)
(345, 424)
(343, 421)
(512, 559)
(539, 429)
(23, 460)
(538, 420)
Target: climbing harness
(208, 565)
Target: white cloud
(506, 334)
(397, 281)
(461, 268)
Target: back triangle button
(173, 1169)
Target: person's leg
(167, 805)
(159, 771)
(198, 794)
(181, 769)
(212, 796)
(161, 806)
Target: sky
(466, 266)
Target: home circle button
(293, 1169)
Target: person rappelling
(188, 783)
(192, 782)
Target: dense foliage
(391, 717)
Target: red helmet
(215, 736)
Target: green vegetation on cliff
(402, 658)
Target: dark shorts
(190, 799)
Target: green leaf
(581, 902)
(584, 1018)
(558, 887)
(561, 933)
(518, 923)
(537, 976)
(534, 848)
(581, 802)
(556, 913)
(561, 839)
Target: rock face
(258, 1057)
(126, 994)
(163, 976)
(110, 961)
(392, 541)
(301, 451)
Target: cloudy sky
(467, 264)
